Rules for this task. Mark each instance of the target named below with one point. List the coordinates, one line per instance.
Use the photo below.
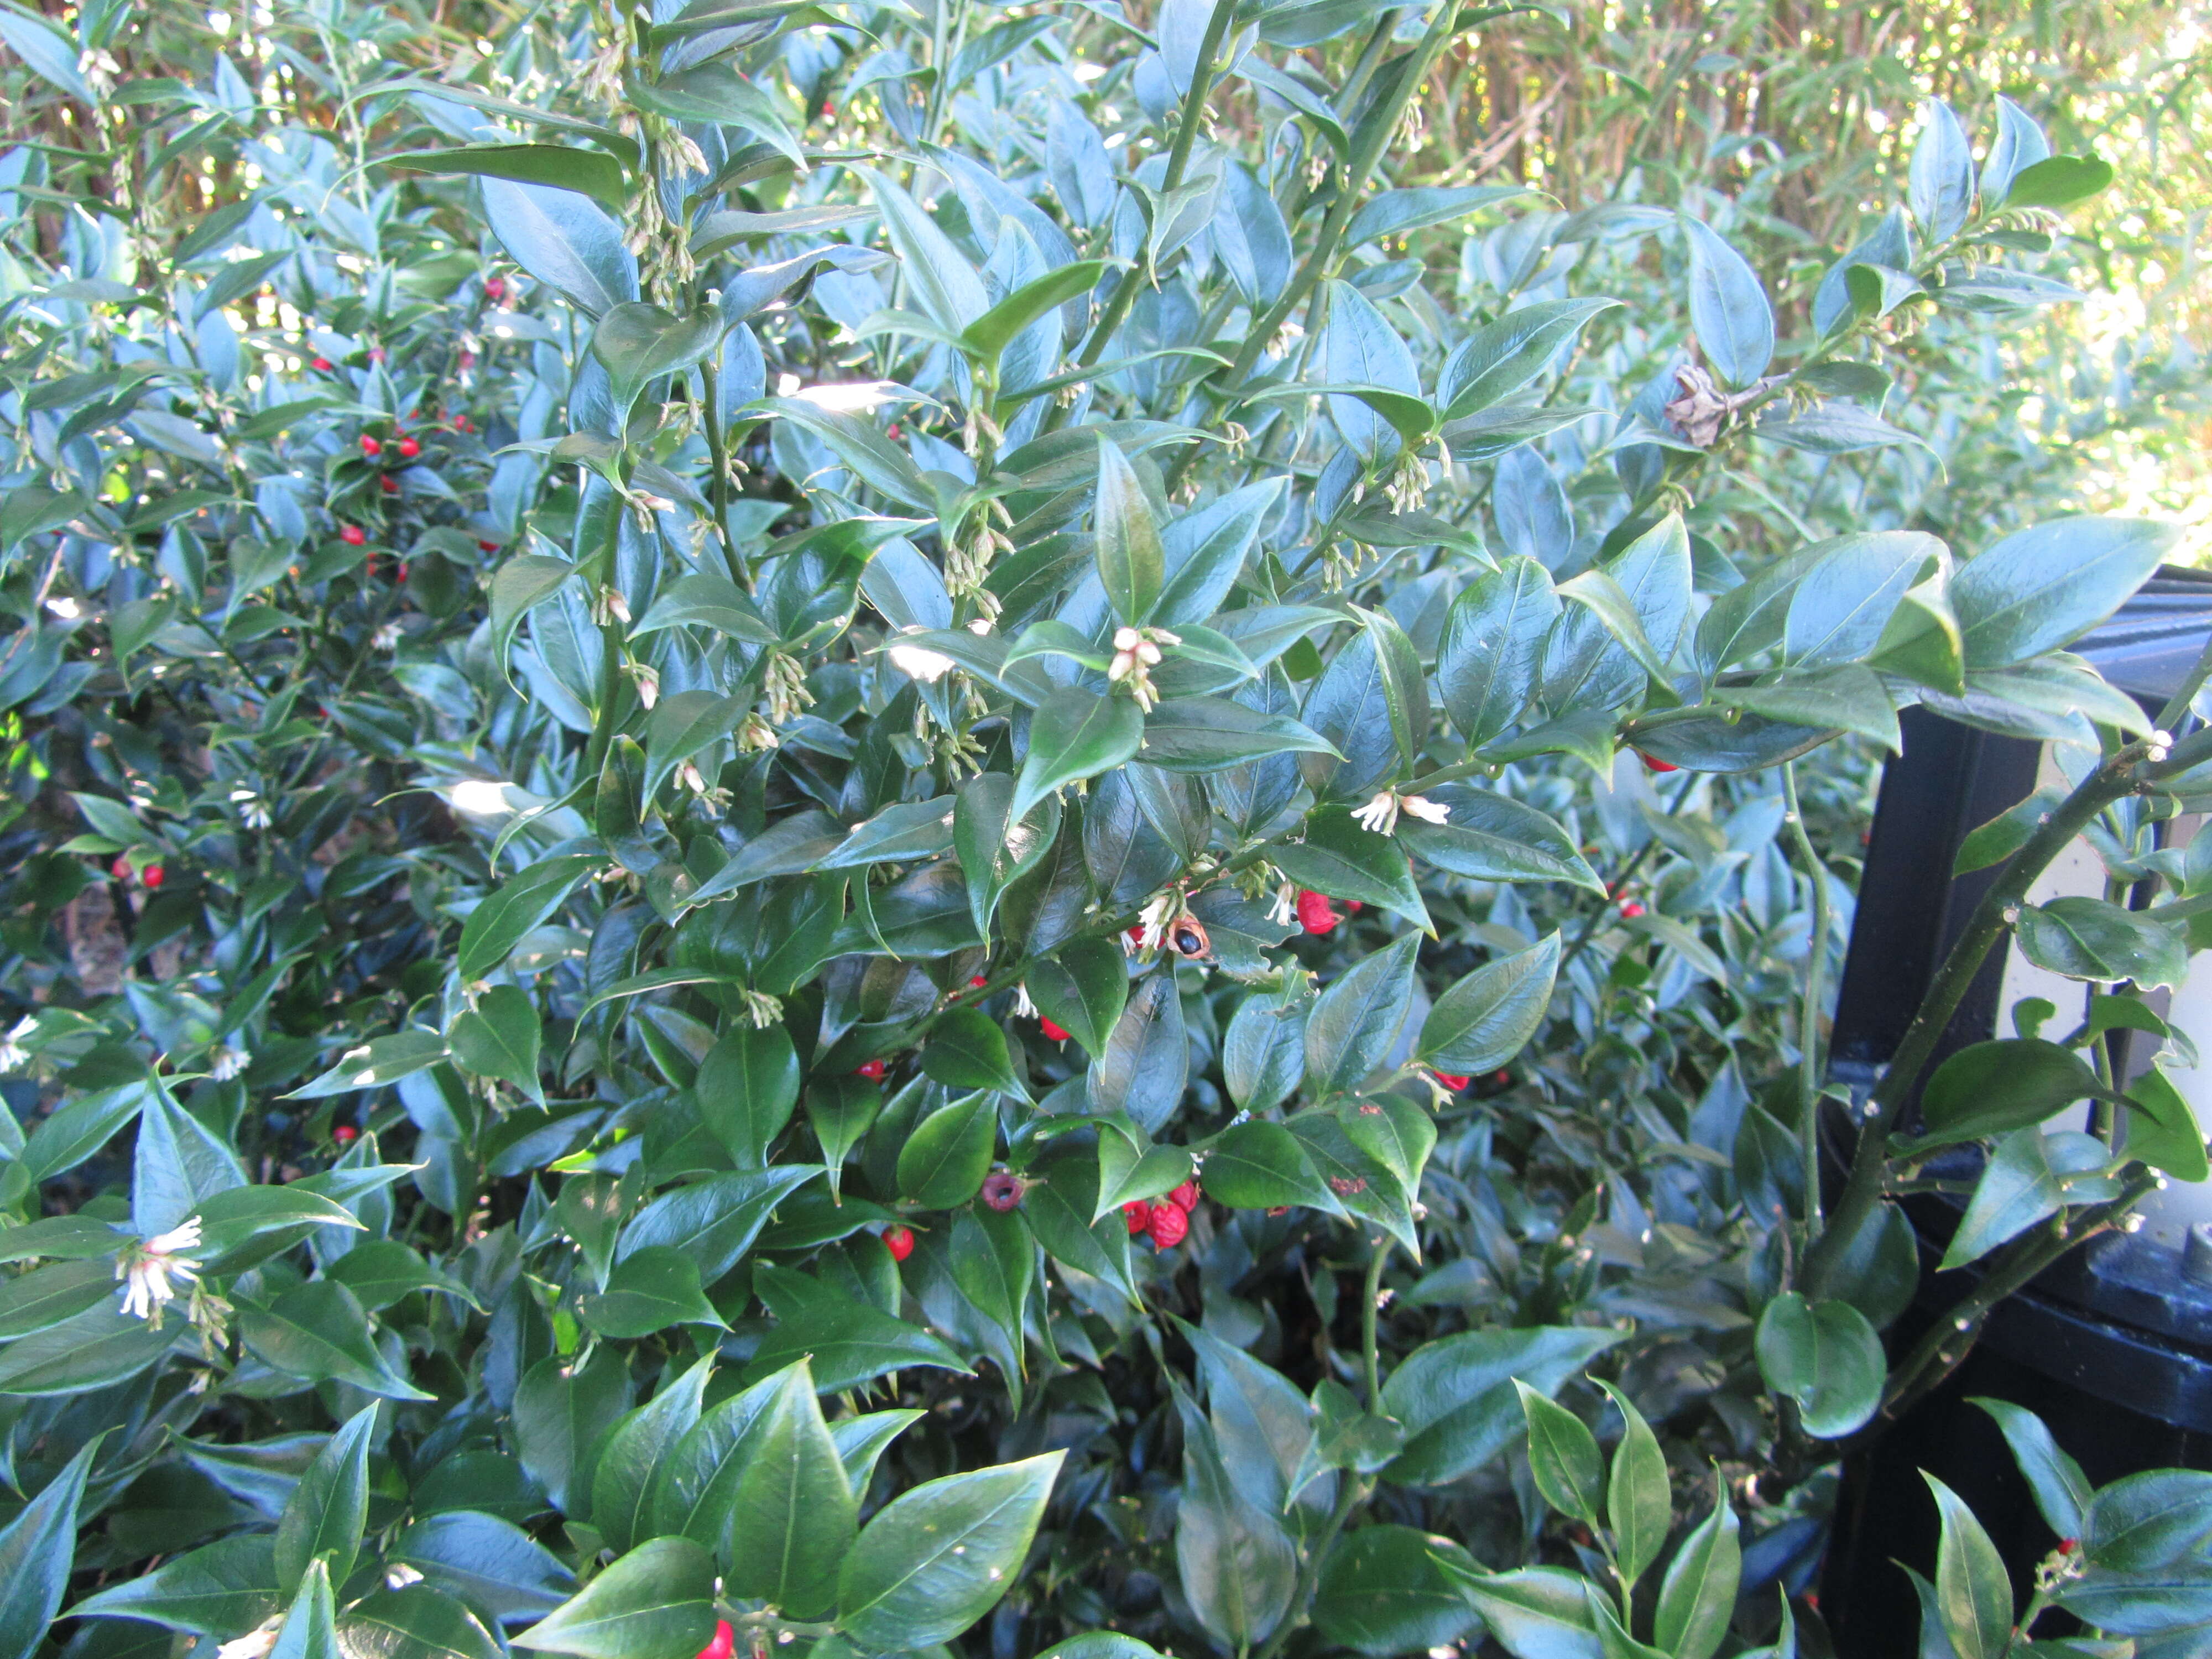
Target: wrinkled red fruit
(409, 449)
(2068, 1545)
(487, 547)
(1051, 1028)
(724, 1644)
(153, 875)
(370, 445)
(873, 1070)
(1631, 911)
(1452, 1081)
(1002, 1190)
(1169, 1226)
(977, 981)
(346, 1134)
(899, 1241)
(1658, 765)
(1185, 1197)
(353, 535)
(390, 484)
(1315, 914)
(495, 289)
(321, 364)
(1138, 1214)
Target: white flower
(1429, 812)
(386, 638)
(688, 775)
(254, 1644)
(648, 683)
(12, 1052)
(252, 810)
(399, 1576)
(227, 1061)
(1283, 908)
(147, 1268)
(1381, 814)
(1156, 916)
(1024, 1008)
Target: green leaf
(561, 1412)
(793, 1516)
(1131, 563)
(967, 1050)
(1991, 1087)
(2162, 1130)
(746, 1088)
(1082, 989)
(1401, 212)
(1493, 837)
(715, 92)
(1499, 358)
(1563, 1457)
(2093, 939)
(650, 1290)
(1728, 309)
(518, 586)
(2061, 1491)
(1075, 734)
(656, 1600)
(328, 1509)
(989, 335)
(1381, 1592)
(1696, 1598)
(1606, 599)
(715, 1221)
(2037, 588)
(1259, 1165)
(946, 285)
(1237, 1561)
(491, 1564)
(701, 601)
(223, 1591)
(1637, 1505)
(415, 1622)
(1541, 1612)
(1825, 1356)
(637, 343)
(310, 1626)
(1491, 655)
(37, 1549)
(2058, 181)
(593, 172)
(848, 1342)
(1973, 1593)
(101, 1345)
(945, 1160)
(1205, 734)
(1488, 1017)
(935, 1560)
(1345, 860)
(319, 1331)
(521, 904)
(1356, 1021)
(622, 1479)
(381, 1271)
(499, 1037)
(2017, 1188)
(1457, 1400)
(45, 1296)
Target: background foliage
(526, 874)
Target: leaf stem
(1810, 1067)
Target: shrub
(847, 825)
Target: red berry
(1658, 765)
(154, 875)
(120, 869)
(1353, 907)
(2068, 1545)
(1185, 1197)
(495, 289)
(899, 1241)
(724, 1644)
(487, 547)
(353, 535)
(1169, 1226)
(1453, 1081)
(322, 364)
(1002, 1190)
(873, 1070)
(1137, 934)
(1138, 1214)
(409, 449)
(1315, 914)
(376, 354)
(1051, 1028)
(1502, 1079)
(1631, 911)
(403, 572)
(370, 445)
(346, 1134)
(390, 484)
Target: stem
(1369, 1307)
(1937, 1354)
(719, 489)
(1194, 111)
(1991, 919)
(1350, 1494)
(1809, 1022)
(1627, 874)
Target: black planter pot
(2113, 1348)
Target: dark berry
(1002, 1190)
